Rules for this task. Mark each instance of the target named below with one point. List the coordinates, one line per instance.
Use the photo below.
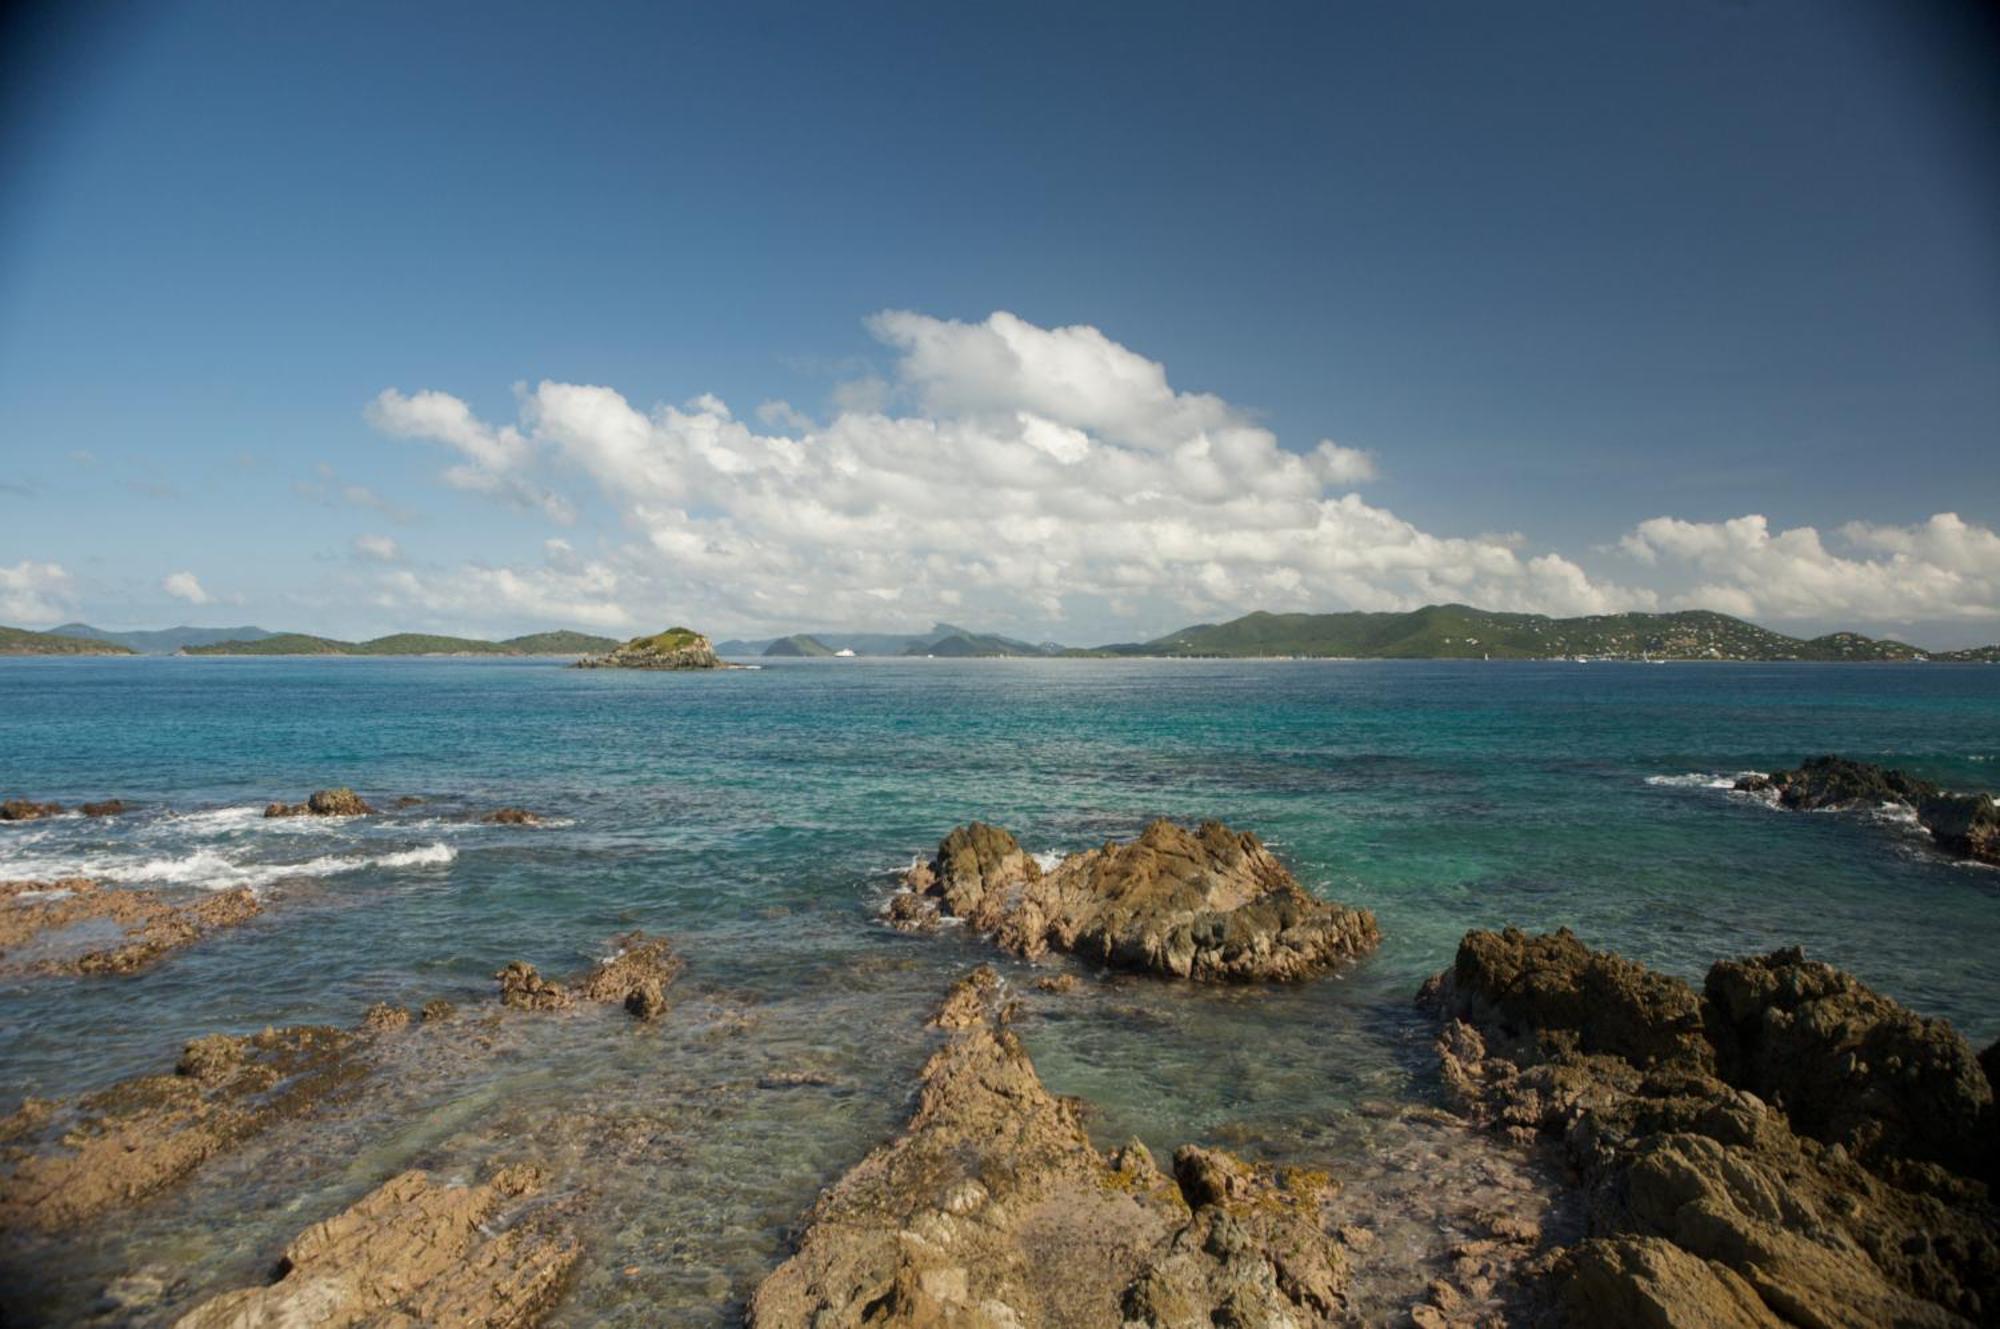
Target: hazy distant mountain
(802, 644)
(1446, 632)
(966, 645)
(886, 643)
(410, 643)
(20, 641)
(162, 641)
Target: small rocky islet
(676, 648)
(1779, 1147)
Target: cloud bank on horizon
(1033, 480)
(1014, 474)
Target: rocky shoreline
(1780, 1146)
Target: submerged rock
(1967, 825)
(110, 807)
(993, 1209)
(416, 1251)
(512, 817)
(342, 802)
(64, 1166)
(1776, 1151)
(1210, 904)
(37, 914)
(676, 648)
(636, 976)
(20, 809)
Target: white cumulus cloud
(184, 586)
(1940, 569)
(495, 460)
(33, 592)
(1010, 472)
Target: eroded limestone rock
(64, 1165)
(993, 1209)
(342, 802)
(1210, 904)
(1708, 1204)
(416, 1251)
(636, 976)
(36, 914)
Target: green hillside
(1461, 632)
(411, 643)
(558, 643)
(801, 644)
(20, 641)
(283, 643)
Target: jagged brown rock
(512, 817)
(40, 912)
(110, 807)
(1708, 1204)
(63, 1166)
(636, 976)
(1210, 904)
(1847, 1065)
(1964, 824)
(993, 1210)
(21, 809)
(342, 802)
(415, 1252)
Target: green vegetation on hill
(1463, 633)
(673, 639)
(411, 643)
(801, 644)
(20, 641)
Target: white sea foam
(1692, 780)
(212, 821)
(1049, 859)
(211, 869)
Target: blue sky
(1599, 307)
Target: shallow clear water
(757, 818)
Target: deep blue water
(756, 817)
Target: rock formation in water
(1785, 1147)
(342, 802)
(21, 809)
(1210, 904)
(993, 1210)
(512, 817)
(64, 1164)
(68, 1164)
(676, 648)
(38, 914)
(1967, 825)
(416, 1251)
(110, 807)
(636, 976)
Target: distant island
(410, 643)
(944, 639)
(1435, 632)
(676, 648)
(1460, 632)
(20, 641)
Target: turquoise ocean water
(758, 816)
